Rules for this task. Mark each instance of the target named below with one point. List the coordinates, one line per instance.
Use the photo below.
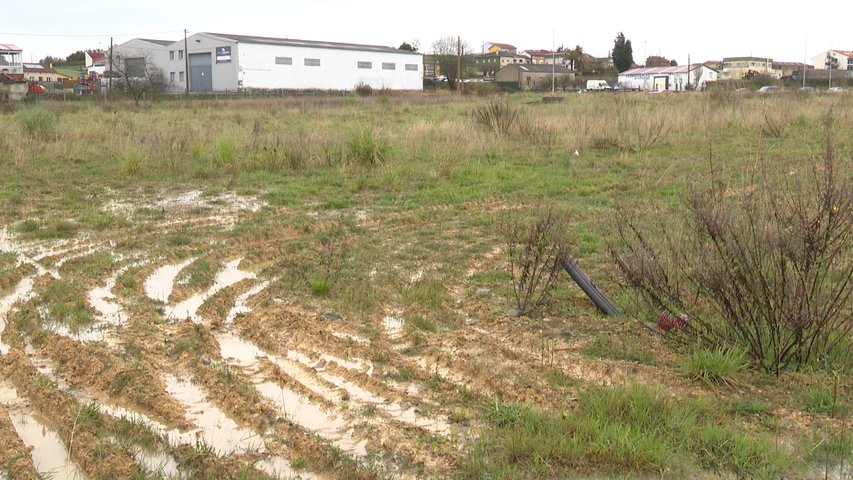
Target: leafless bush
(320, 265)
(768, 268)
(638, 126)
(498, 115)
(534, 244)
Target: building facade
(842, 59)
(11, 61)
(216, 62)
(36, 72)
(739, 67)
(534, 77)
(673, 79)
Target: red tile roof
(97, 57)
(8, 47)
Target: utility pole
(829, 65)
(459, 63)
(688, 71)
(553, 61)
(110, 81)
(186, 62)
(805, 53)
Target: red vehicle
(36, 89)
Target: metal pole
(829, 61)
(186, 62)
(110, 84)
(805, 53)
(553, 61)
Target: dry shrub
(535, 243)
(638, 126)
(498, 115)
(767, 269)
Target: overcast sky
(705, 30)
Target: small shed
(533, 77)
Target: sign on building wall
(223, 54)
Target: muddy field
(147, 372)
(355, 320)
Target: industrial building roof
(8, 47)
(539, 68)
(663, 70)
(290, 42)
(162, 43)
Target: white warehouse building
(657, 79)
(218, 62)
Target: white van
(597, 85)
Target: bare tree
(137, 75)
(449, 53)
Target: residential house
(843, 60)
(11, 62)
(96, 61)
(657, 61)
(501, 48)
(36, 72)
(488, 64)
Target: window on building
(312, 62)
(411, 67)
(134, 67)
(180, 54)
(389, 66)
(181, 76)
(171, 77)
(284, 60)
(367, 65)
(171, 54)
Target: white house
(140, 55)
(843, 60)
(224, 62)
(96, 61)
(667, 78)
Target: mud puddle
(240, 307)
(393, 327)
(296, 407)
(23, 291)
(158, 464)
(48, 452)
(229, 275)
(213, 425)
(159, 285)
(393, 410)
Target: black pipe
(588, 287)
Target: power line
(87, 35)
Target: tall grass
(624, 429)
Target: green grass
(619, 348)
(49, 229)
(820, 400)
(637, 429)
(715, 366)
(427, 293)
(65, 301)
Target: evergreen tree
(623, 53)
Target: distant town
(216, 62)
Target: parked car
(768, 89)
(836, 89)
(807, 89)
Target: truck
(597, 85)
